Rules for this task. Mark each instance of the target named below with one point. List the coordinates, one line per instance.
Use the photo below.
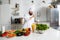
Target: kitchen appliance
(17, 21)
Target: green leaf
(42, 26)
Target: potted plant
(41, 27)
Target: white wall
(0, 16)
(42, 12)
(0, 13)
(41, 8)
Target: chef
(29, 20)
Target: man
(29, 20)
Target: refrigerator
(54, 17)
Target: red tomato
(29, 29)
(4, 34)
(26, 33)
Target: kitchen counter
(50, 34)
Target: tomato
(4, 34)
(29, 29)
(26, 33)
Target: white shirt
(28, 21)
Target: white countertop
(50, 34)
